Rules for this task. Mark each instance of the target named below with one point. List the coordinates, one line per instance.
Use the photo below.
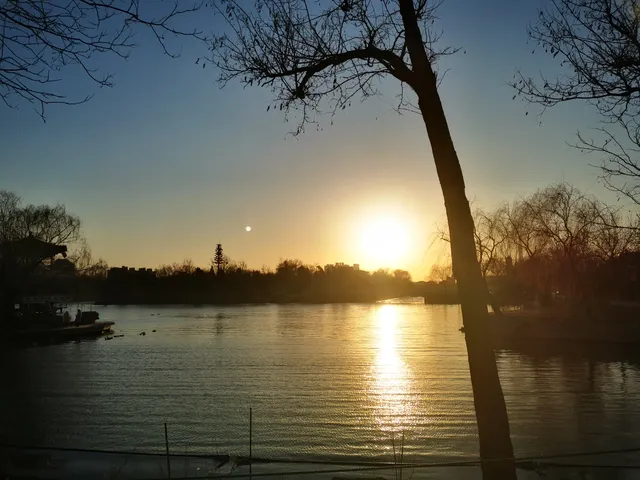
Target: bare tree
(440, 273)
(614, 235)
(491, 240)
(84, 262)
(317, 57)
(564, 217)
(564, 220)
(524, 241)
(9, 208)
(490, 236)
(52, 224)
(39, 38)
(558, 236)
(598, 49)
(49, 223)
(185, 268)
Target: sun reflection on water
(391, 377)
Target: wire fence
(42, 462)
(38, 461)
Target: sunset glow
(384, 241)
(391, 387)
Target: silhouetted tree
(219, 260)
(39, 38)
(289, 267)
(440, 273)
(598, 51)
(49, 223)
(557, 236)
(491, 241)
(402, 275)
(614, 235)
(307, 52)
(185, 268)
(490, 237)
(236, 267)
(84, 262)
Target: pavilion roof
(32, 248)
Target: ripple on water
(330, 381)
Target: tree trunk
(496, 450)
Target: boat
(38, 320)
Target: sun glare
(391, 386)
(384, 242)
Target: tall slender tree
(219, 260)
(317, 55)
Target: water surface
(332, 382)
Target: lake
(324, 382)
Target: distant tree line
(557, 241)
(228, 282)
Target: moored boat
(48, 320)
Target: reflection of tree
(580, 408)
(219, 323)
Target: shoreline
(256, 303)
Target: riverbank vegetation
(564, 241)
(557, 241)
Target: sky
(165, 165)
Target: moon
(247, 228)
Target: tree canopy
(557, 238)
(49, 223)
(597, 48)
(41, 38)
(317, 57)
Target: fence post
(166, 442)
(250, 441)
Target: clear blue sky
(165, 165)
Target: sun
(384, 242)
